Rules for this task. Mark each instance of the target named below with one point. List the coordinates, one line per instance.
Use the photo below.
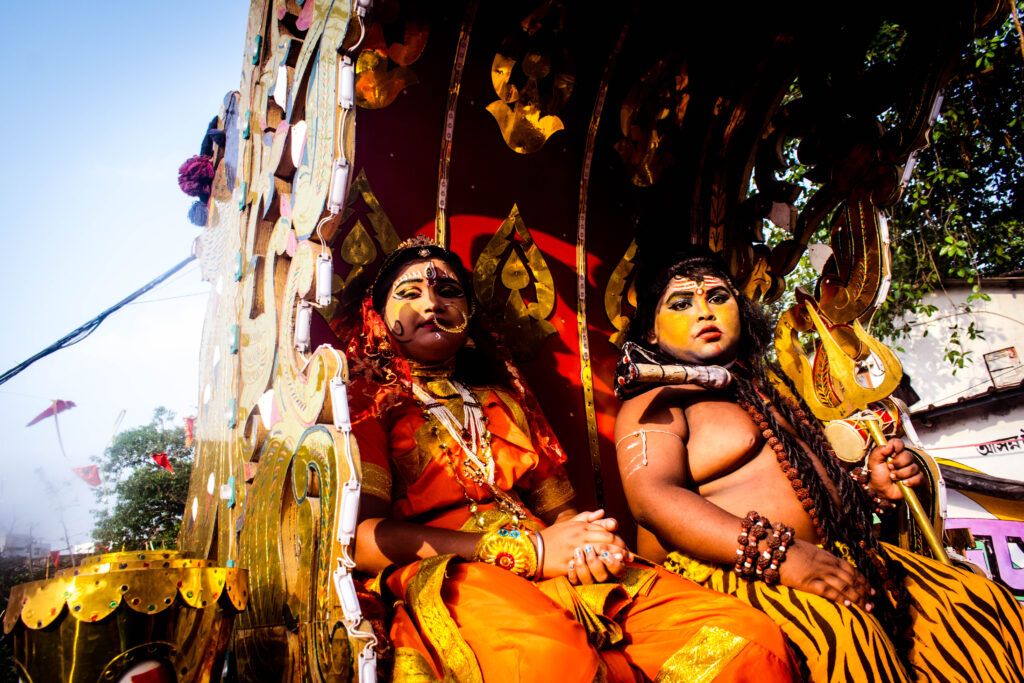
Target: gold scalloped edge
(136, 556)
(121, 564)
(92, 597)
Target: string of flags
(90, 474)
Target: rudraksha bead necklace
(802, 492)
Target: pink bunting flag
(58, 406)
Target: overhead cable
(88, 328)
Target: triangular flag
(90, 475)
(190, 424)
(58, 406)
(161, 460)
(55, 557)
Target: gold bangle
(508, 548)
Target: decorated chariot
(545, 142)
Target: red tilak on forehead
(699, 286)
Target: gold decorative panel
(531, 95)
(651, 112)
(512, 258)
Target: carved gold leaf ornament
(383, 229)
(856, 277)
(525, 113)
(513, 258)
(619, 291)
(377, 83)
(357, 251)
(652, 110)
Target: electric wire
(88, 328)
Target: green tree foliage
(143, 503)
(961, 216)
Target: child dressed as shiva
(695, 461)
(468, 519)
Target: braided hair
(846, 526)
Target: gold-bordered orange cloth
(965, 627)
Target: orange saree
(471, 621)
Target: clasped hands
(584, 548)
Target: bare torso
(725, 459)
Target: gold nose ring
(458, 329)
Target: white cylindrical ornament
(339, 186)
(324, 279)
(349, 516)
(303, 321)
(339, 405)
(346, 83)
(368, 665)
(347, 595)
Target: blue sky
(102, 104)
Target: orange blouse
(406, 463)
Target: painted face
(426, 310)
(697, 321)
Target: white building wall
(989, 437)
(1001, 320)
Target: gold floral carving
(512, 256)
(652, 111)
(619, 291)
(378, 83)
(531, 95)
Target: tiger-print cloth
(965, 627)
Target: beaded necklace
(787, 467)
(896, 592)
(474, 439)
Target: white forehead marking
(423, 273)
(682, 283)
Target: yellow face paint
(698, 321)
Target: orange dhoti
(470, 621)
